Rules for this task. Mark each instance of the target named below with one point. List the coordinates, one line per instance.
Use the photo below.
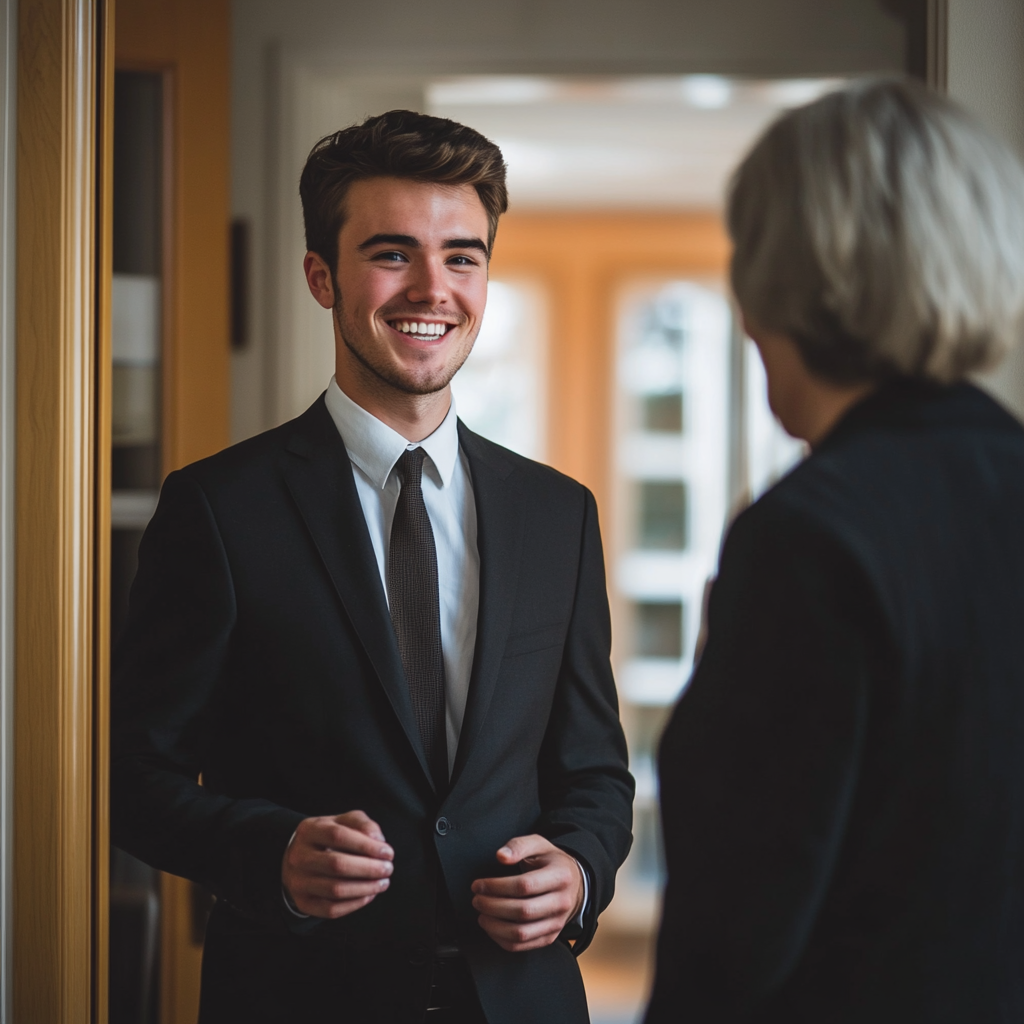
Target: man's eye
(391, 257)
(462, 261)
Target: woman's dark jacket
(842, 783)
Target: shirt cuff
(290, 903)
(578, 919)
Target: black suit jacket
(843, 782)
(259, 653)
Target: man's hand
(529, 910)
(335, 866)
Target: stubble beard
(385, 374)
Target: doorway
(272, 52)
(627, 168)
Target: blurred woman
(842, 784)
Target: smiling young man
(383, 643)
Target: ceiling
(624, 142)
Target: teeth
(419, 329)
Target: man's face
(411, 281)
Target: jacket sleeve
(759, 767)
(586, 788)
(166, 685)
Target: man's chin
(423, 388)
(415, 380)
(416, 383)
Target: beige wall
(986, 75)
(283, 49)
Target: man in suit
(382, 641)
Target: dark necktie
(416, 612)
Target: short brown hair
(398, 144)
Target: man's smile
(421, 330)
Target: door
(170, 393)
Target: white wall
(284, 48)
(8, 36)
(986, 75)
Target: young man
(383, 643)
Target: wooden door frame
(8, 95)
(61, 512)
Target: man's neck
(413, 416)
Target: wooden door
(580, 258)
(171, 384)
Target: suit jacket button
(442, 826)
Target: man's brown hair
(398, 144)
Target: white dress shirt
(374, 449)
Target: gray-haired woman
(842, 784)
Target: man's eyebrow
(381, 239)
(466, 243)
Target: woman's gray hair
(882, 229)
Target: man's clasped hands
(334, 866)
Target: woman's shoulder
(906, 458)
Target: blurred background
(610, 348)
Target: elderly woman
(842, 784)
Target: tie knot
(410, 467)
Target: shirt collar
(375, 448)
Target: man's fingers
(327, 833)
(336, 865)
(529, 910)
(519, 937)
(331, 864)
(524, 886)
(521, 847)
(336, 889)
(361, 822)
(554, 906)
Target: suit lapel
(500, 524)
(319, 476)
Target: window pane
(663, 414)
(659, 629)
(662, 525)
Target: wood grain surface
(56, 437)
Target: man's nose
(428, 284)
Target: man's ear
(318, 277)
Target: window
(663, 414)
(675, 340)
(659, 629)
(661, 521)
(500, 390)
